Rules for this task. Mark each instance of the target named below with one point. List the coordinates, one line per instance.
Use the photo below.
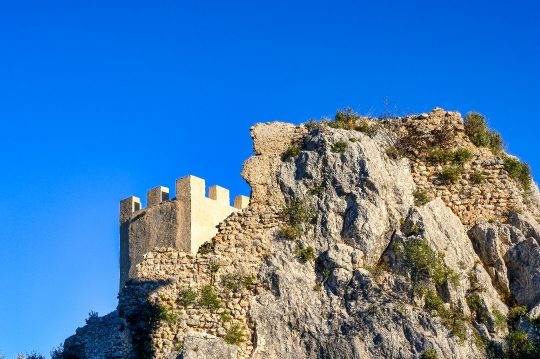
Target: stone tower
(184, 222)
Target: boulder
(523, 261)
(488, 244)
(526, 224)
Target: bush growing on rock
(339, 146)
(450, 174)
(462, 155)
(291, 232)
(234, 335)
(499, 320)
(188, 296)
(293, 151)
(516, 314)
(297, 215)
(207, 247)
(209, 297)
(479, 134)
(393, 153)
(425, 264)
(520, 346)
(345, 119)
(420, 197)
(305, 253)
(439, 155)
(519, 171)
(429, 354)
(477, 177)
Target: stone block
(190, 186)
(219, 194)
(241, 202)
(157, 195)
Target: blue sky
(101, 100)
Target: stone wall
(240, 247)
(472, 203)
(270, 141)
(184, 222)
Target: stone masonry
(184, 222)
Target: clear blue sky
(101, 100)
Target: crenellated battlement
(184, 222)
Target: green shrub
(477, 307)
(248, 280)
(459, 330)
(479, 134)
(477, 177)
(311, 124)
(462, 155)
(535, 321)
(304, 253)
(474, 302)
(393, 153)
(450, 174)
(429, 354)
(413, 231)
(297, 214)
(420, 197)
(516, 313)
(214, 267)
(423, 263)
(188, 297)
(234, 335)
(519, 171)
(166, 315)
(326, 274)
(226, 316)
(209, 297)
(480, 342)
(499, 320)
(346, 119)
(433, 301)
(439, 155)
(291, 232)
(293, 151)
(207, 247)
(92, 316)
(233, 281)
(368, 127)
(520, 346)
(352, 139)
(315, 190)
(339, 146)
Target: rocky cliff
(392, 238)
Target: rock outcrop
(336, 258)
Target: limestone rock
(364, 193)
(526, 224)
(342, 256)
(523, 262)
(489, 247)
(445, 234)
(270, 141)
(195, 346)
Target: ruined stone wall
(240, 247)
(472, 203)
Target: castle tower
(184, 222)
